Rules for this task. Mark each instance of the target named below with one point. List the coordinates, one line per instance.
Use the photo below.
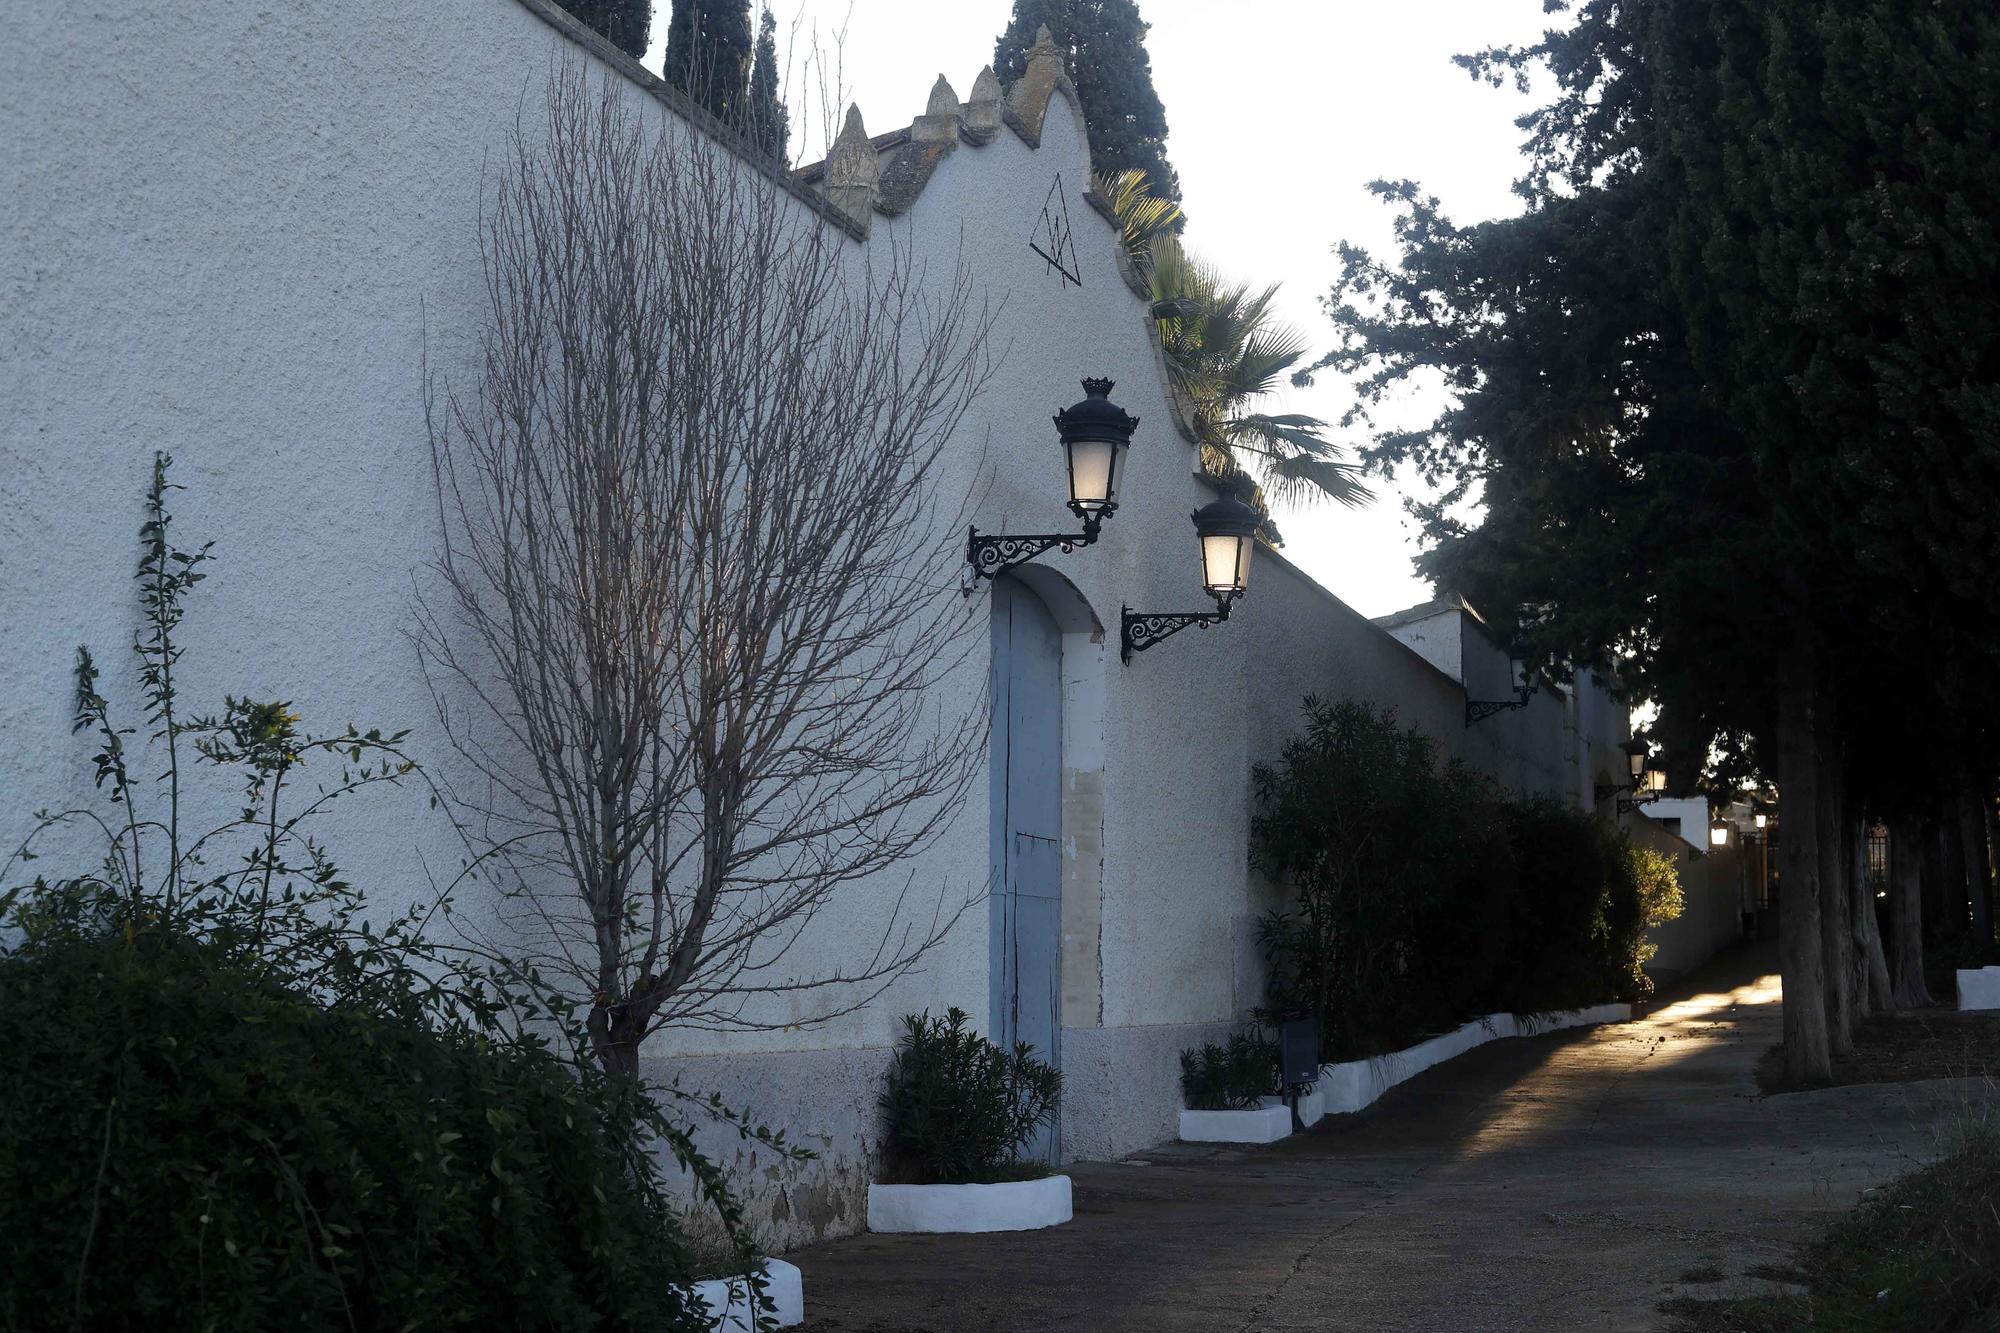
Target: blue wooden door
(1027, 831)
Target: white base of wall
(1354, 1084)
(1312, 1105)
(732, 1304)
(1979, 988)
(1263, 1124)
(1011, 1205)
(1533, 1025)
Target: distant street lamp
(1095, 434)
(1718, 833)
(1226, 529)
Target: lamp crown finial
(1097, 387)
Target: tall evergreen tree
(708, 54)
(626, 23)
(1104, 47)
(769, 125)
(1725, 402)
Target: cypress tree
(1104, 47)
(769, 126)
(1728, 407)
(624, 22)
(708, 54)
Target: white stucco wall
(1712, 883)
(232, 233)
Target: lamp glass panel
(1718, 836)
(1093, 472)
(1762, 820)
(1225, 563)
(1638, 759)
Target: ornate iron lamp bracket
(991, 553)
(1140, 630)
(1478, 710)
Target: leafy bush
(206, 1145)
(234, 1101)
(1655, 888)
(1423, 897)
(1232, 1077)
(958, 1108)
(1402, 875)
(1569, 866)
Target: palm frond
(1141, 215)
(1225, 350)
(1299, 464)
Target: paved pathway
(1560, 1182)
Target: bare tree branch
(699, 572)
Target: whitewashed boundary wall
(235, 232)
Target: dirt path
(1562, 1182)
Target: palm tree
(1226, 352)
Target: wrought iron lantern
(1526, 683)
(1095, 434)
(1636, 756)
(1718, 833)
(1226, 529)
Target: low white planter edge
(1009, 1205)
(1979, 987)
(1354, 1085)
(731, 1302)
(1259, 1124)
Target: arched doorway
(1027, 763)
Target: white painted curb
(1355, 1084)
(1262, 1124)
(1979, 988)
(1010, 1205)
(731, 1302)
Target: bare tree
(700, 578)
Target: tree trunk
(1836, 930)
(1906, 896)
(1992, 846)
(1978, 877)
(1937, 919)
(1954, 909)
(1801, 956)
(1872, 990)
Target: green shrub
(958, 1108)
(1230, 1077)
(234, 1101)
(1650, 895)
(1566, 863)
(189, 1141)
(1422, 897)
(1401, 875)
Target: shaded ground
(1568, 1181)
(1896, 1048)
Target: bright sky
(1279, 113)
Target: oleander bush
(234, 1098)
(1232, 1076)
(1422, 896)
(958, 1109)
